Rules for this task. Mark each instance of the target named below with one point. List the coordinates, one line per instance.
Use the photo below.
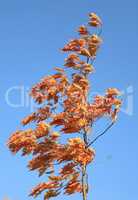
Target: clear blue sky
(31, 32)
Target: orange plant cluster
(64, 106)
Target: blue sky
(31, 33)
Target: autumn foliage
(61, 137)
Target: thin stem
(93, 141)
(88, 59)
(84, 167)
(84, 185)
(84, 171)
(85, 138)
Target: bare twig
(93, 141)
